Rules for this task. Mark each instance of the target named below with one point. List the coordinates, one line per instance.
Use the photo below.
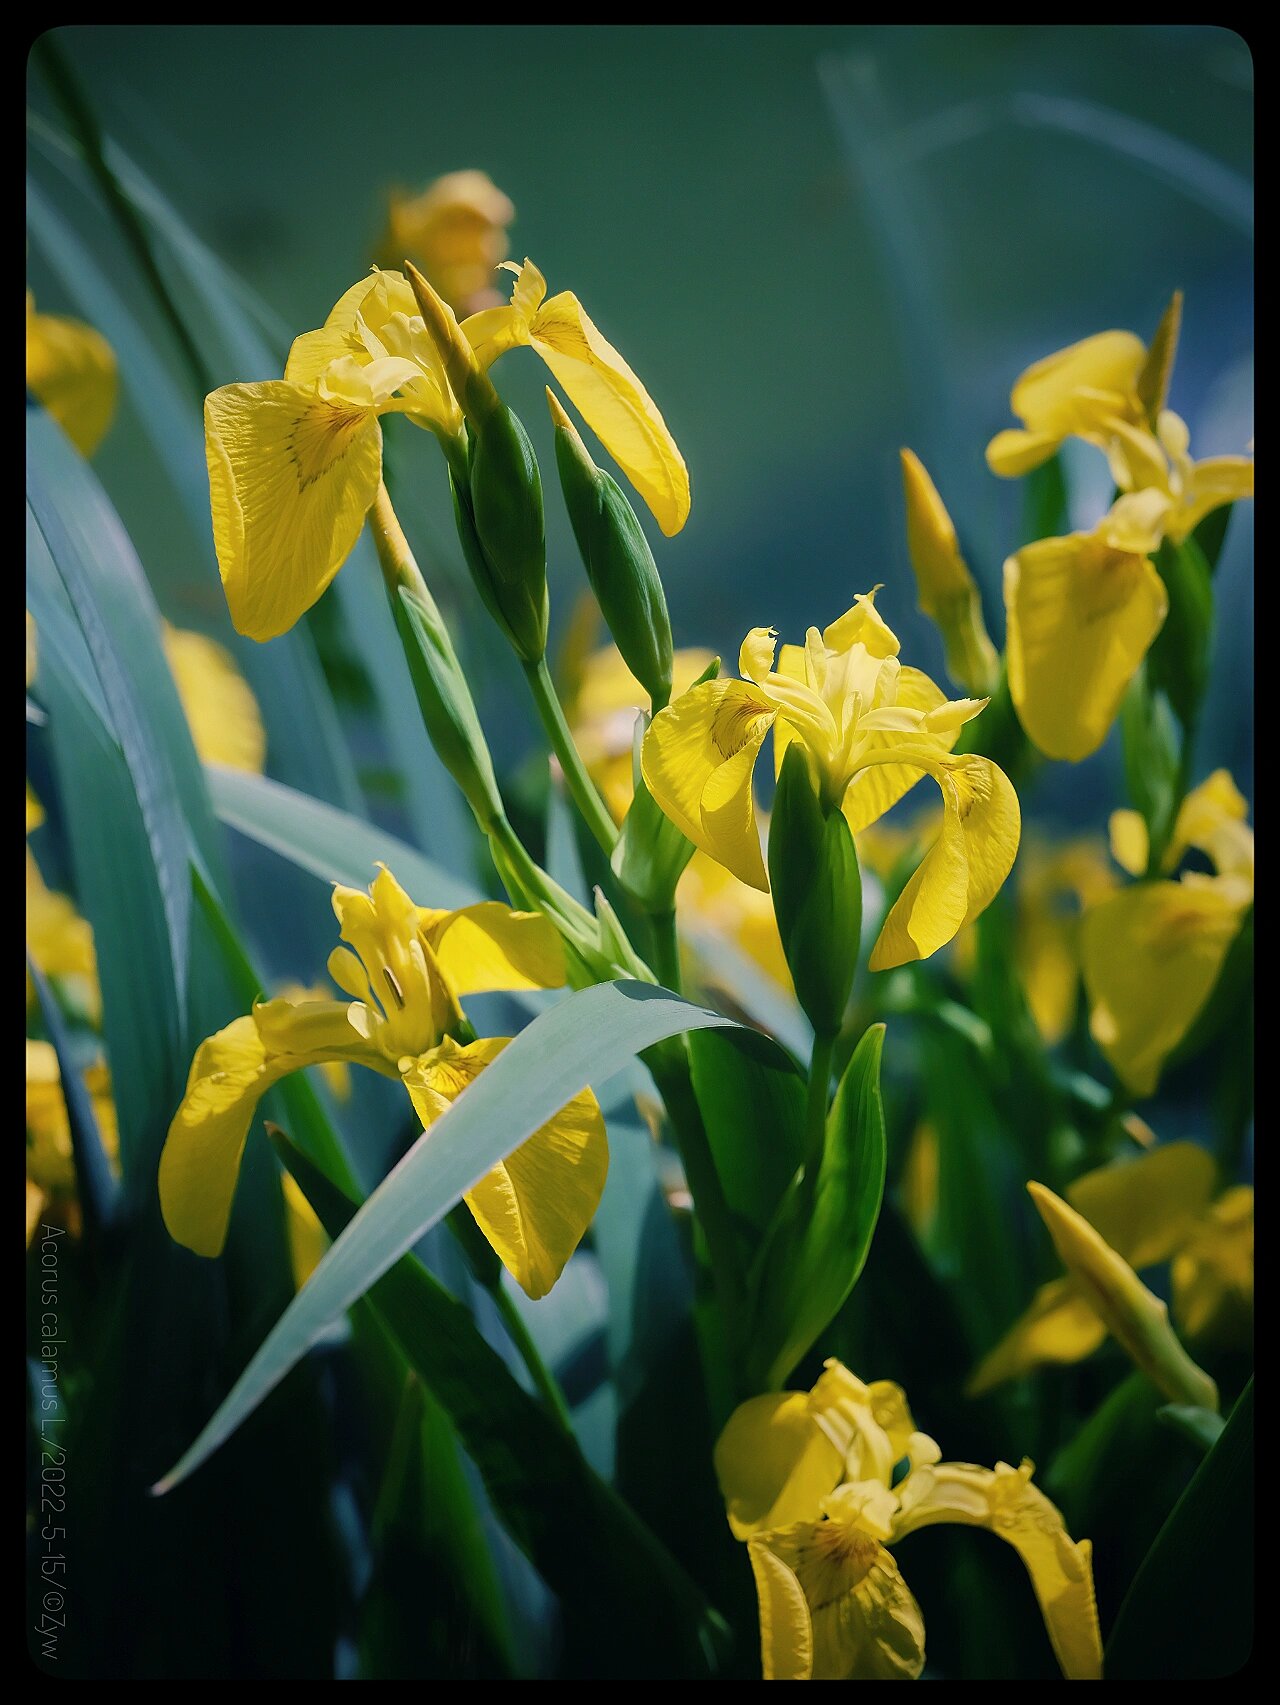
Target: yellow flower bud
(948, 594)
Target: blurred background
(814, 244)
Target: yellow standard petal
(962, 872)
(72, 371)
(774, 1462)
(1151, 955)
(615, 405)
(1081, 617)
(698, 758)
(488, 946)
(536, 1204)
(222, 713)
(1004, 1501)
(291, 478)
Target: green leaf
(818, 1242)
(329, 843)
(1203, 1427)
(1178, 662)
(752, 1097)
(1211, 534)
(1152, 759)
(583, 1040)
(1044, 495)
(620, 1591)
(1189, 1614)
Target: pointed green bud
(498, 514)
(1157, 370)
(618, 561)
(817, 893)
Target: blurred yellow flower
(1153, 1209)
(60, 943)
(1153, 951)
(1160, 463)
(404, 969)
(812, 1484)
(51, 1176)
(221, 711)
(71, 370)
(456, 230)
(1078, 392)
(1081, 613)
(871, 729)
(1056, 885)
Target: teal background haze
(814, 244)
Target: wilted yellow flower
(810, 1484)
(1081, 614)
(409, 967)
(456, 230)
(72, 371)
(871, 729)
(1152, 953)
(51, 1175)
(221, 711)
(1153, 1209)
(1107, 1285)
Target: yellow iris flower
(295, 464)
(1078, 392)
(456, 230)
(404, 969)
(1157, 1208)
(1081, 613)
(221, 711)
(60, 941)
(1152, 952)
(809, 1482)
(603, 701)
(72, 371)
(51, 1175)
(872, 728)
(1058, 884)
(1160, 462)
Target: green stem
(84, 126)
(586, 796)
(544, 1380)
(815, 1116)
(666, 951)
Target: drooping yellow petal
(222, 713)
(291, 478)
(698, 757)
(1213, 1273)
(1004, 1501)
(488, 946)
(536, 1204)
(865, 1624)
(615, 405)
(1136, 1318)
(1081, 617)
(1151, 955)
(72, 371)
(231, 1072)
(1016, 451)
(1213, 482)
(774, 1463)
(786, 1633)
(1145, 1207)
(962, 872)
(1059, 1326)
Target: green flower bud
(501, 528)
(817, 894)
(444, 698)
(618, 561)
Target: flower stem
(586, 796)
(666, 951)
(815, 1119)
